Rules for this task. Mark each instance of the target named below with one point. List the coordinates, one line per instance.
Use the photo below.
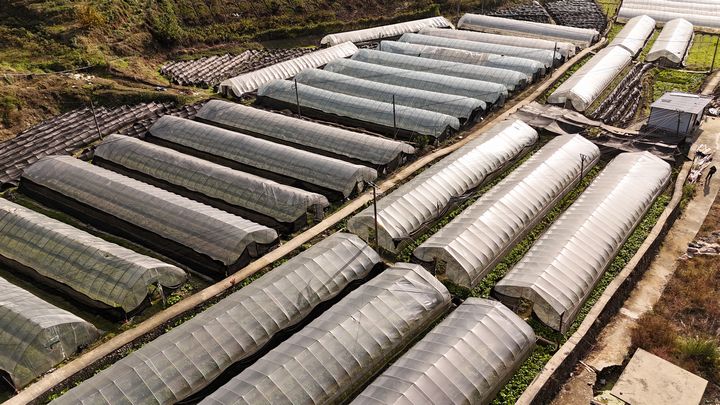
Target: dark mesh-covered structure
(362, 112)
(491, 93)
(326, 140)
(90, 269)
(271, 160)
(464, 108)
(36, 336)
(255, 198)
(333, 356)
(190, 357)
(197, 235)
(511, 79)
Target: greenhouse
(35, 336)
(635, 34)
(466, 109)
(532, 68)
(546, 57)
(566, 49)
(505, 26)
(414, 205)
(673, 42)
(329, 360)
(561, 269)
(588, 82)
(385, 31)
(470, 246)
(356, 111)
(190, 357)
(700, 13)
(323, 139)
(466, 359)
(249, 82)
(281, 163)
(511, 79)
(243, 194)
(197, 235)
(89, 269)
(491, 93)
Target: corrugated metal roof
(685, 102)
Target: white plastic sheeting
(189, 357)
(566, 49)
(333, 356)
(547, 57)
(385, 31)
(235, 188)
(249, 82)
(418, 202)
(358, 109)
(285, 161)
(531, 68)
(508, 78)
(561, 269)
(35, 336)
(492, 93)
(635, 33)
(700, 13)
(673, 42)
(93, 268)
(476, 240)
(460, 107)
(466, 359)
(587, 84)
(506, 26)
(334, 141)
(205, 230)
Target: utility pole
(583, 158)
(712, 65)
(377, 236)
(297, 98)
(394, 119)
(92, 109)
(458, 9)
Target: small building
(677, 113)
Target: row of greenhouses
(334, 323)
(303, 333)
(701, 13)
(424, 78)
(206, 196)
(589, 82)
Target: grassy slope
(124, 41)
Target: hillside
(120, 44)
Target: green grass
(701, 52)
(674, 80)
(614, 30)
(609, 7)
(648, 46)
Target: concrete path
(711, 84)
(613, 344)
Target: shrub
(702, 351)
